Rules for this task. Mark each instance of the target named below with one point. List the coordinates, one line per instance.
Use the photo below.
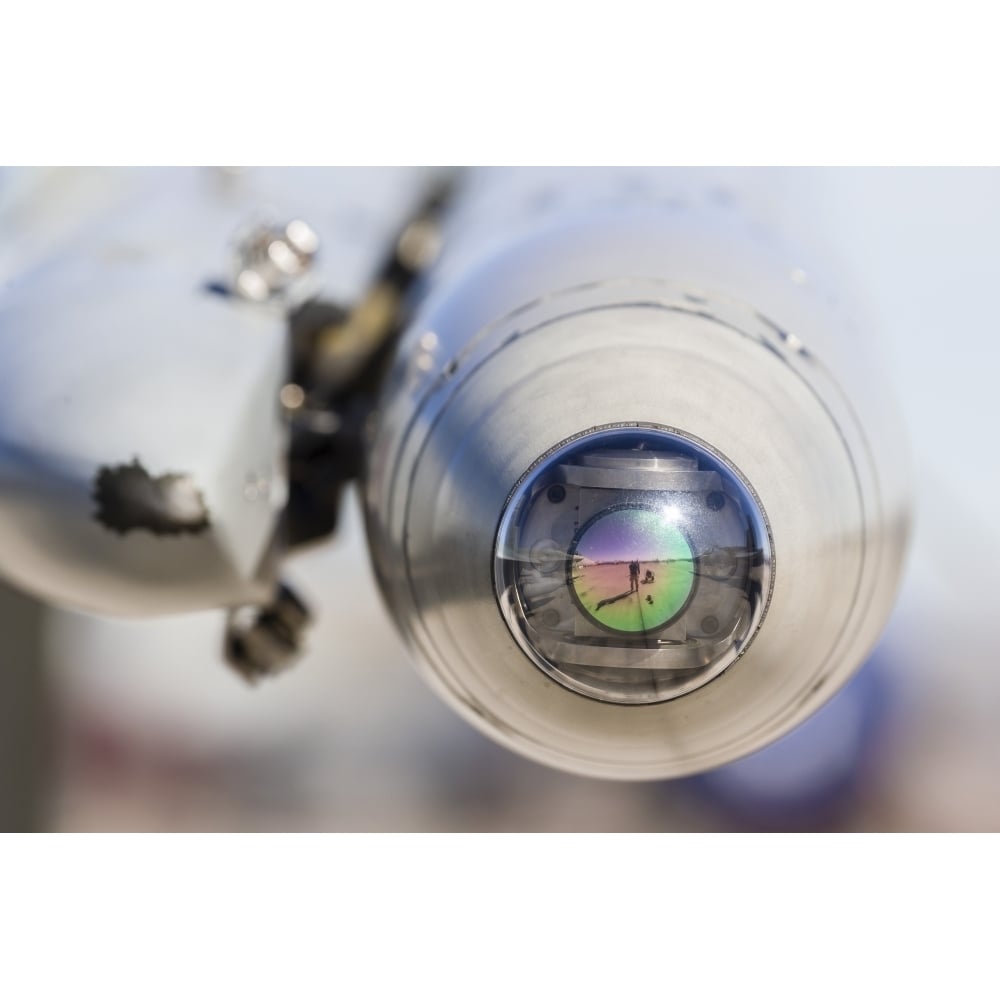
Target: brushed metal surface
(591, 324)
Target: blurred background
(139, 725)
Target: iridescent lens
(633, 565)
(632, 569)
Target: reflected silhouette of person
(633, 576)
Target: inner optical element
(633, 566)
(632, 569)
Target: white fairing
(105, 366)
(114, 350)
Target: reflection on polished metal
(645, 509)
(570, 428)
(292, 396)
(633, 566)
(270, 259)
(263, 640)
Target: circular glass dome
(633, 566)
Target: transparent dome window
(633, 566)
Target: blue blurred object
(813, 778)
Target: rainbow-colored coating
(632, 568)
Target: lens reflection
(632, 566)
(632, 569)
